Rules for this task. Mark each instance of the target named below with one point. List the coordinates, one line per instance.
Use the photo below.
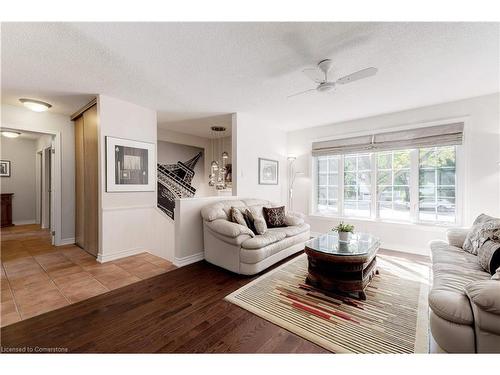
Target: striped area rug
(393, 319)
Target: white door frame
(57, 187)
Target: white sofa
(236, 248)
(464, 300)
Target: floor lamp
(292, 175)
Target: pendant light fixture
(217, 176)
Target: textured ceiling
(197, 70)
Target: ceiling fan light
(10, 134)
(35, 105)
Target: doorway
(45, 194)
(45, 190)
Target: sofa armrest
(228, 228)
(485, 294)
(456, 236)
(299, 215)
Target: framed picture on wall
(268, 172)
(4, 168)
(130, 165)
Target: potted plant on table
(344, 231)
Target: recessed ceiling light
(10, 134)
(35, 105)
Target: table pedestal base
(341, 277)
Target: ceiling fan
(320, 76)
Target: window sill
(434, 227)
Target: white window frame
(460, 181)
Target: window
(328, 183)
(416, 185)
(437, 175)
(357, 185)
(393, 185)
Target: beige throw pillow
(236, 216)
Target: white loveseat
(236, 248)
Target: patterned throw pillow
(249, 221)
(258, 221)
(275, 216)
(488, 256)
(236, 216)
(485, 228)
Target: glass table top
(359, 244)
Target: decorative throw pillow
(258, 221)
(489, 256)
(275, 216)
(236, 216)
(249, 221)
(485, 228)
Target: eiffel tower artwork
(174, 181)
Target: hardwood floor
(182, 311)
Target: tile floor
(38, 277)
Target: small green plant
(349, 228)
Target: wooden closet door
(91, 227)
(79, 184)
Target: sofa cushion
(251, 256)
(489, 256)
(220, 210)
(263, 240)
(292, 230)
(453, 269)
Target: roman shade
(440, 135)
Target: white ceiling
(200, 126)
(197, 70)
(33, 136)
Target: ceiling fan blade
(315, 74)
(364, 73)
(300, 93)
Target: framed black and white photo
(268, 172)
(4, 168)
(130, 165)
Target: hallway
(38, 277)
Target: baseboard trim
(66, 241)
(184, 261)
(119, 254)
(24, 222)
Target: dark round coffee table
(342, 267)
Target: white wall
(126, 218)
(254, 138)
(482, 182)
(15, 117)
(21, 153)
